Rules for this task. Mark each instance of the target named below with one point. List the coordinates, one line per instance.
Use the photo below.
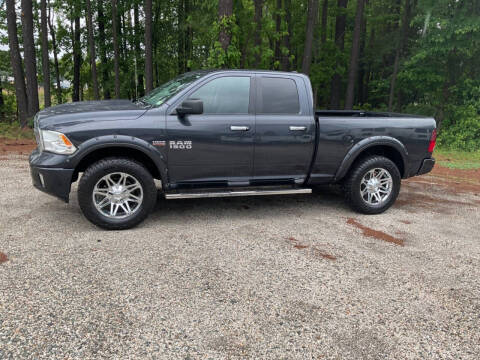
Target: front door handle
(298, 128)
(239, 128)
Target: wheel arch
(386, 146)
(133, 148)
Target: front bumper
(427, 166)
(55, 181)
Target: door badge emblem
(180, 145)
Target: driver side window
(225, 95)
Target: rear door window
(278, 96)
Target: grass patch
(13, 131)
(456, 159)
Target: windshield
(158, 96)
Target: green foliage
(438, 72)
(230, 58)
(461, 129)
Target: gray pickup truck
(223, 133)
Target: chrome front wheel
(117, 195)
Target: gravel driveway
(292, 277)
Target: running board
(213, 194)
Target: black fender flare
(121, 141)
(365, 144)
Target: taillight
(433, 140)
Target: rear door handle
(298, 128)
(239, 128)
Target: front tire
(373, 185)
(116, 193)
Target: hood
(88, 111)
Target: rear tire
(373, 185)
(116, 193)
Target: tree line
(419, 56)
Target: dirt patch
(445, 172)
(20, 146)
(457, 181)
(316, 251)
(405, 222)
(376, 234)
(3, 258)
(415, 199)
(300, 246)
(322, 254)
(297, 244)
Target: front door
(216, 146)
(285, 130)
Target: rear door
(284, 129)
(216, 146)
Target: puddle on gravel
(3, 258)
(376, 234)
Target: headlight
(56, 142)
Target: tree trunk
(278, 30)
(77, 58)
(311, 21)
(138, 58)
(181, 36)
(225, 11)
(353, 70)
(399, 52)
(91, 46)
(188, 36)
(361, 64)
(45, 57)
(340, 23)
(258, 32)
(16, 61)
(55, 57)
(30, 58)
(116, 50)
(286, 38)
(148, 46)
(124, 64)
(2, 112)
(368, 72)
(323, 27)
(103, 51)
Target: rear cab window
(277, 95)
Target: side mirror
(190, 106)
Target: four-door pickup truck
(223, 133)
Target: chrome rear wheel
(376, 186)
(372, 185)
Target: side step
(213, 194)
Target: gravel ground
(291, 277)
